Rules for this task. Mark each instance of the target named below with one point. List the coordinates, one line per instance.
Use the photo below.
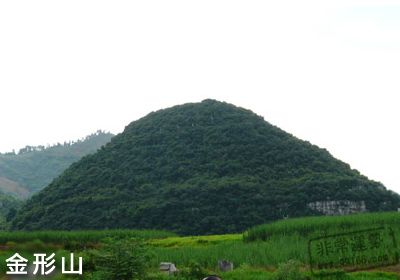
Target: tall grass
(321, 225)
(257, 254)
(271, 244)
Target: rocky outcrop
(338, 207)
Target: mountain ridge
(33, 167)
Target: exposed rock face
(338, 207)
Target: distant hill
(201, 168)
(33, 168)
(13, 188)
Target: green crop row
(323, 225)
(87, 236)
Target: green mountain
(200, 168)
(33, 168)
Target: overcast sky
(326, 71)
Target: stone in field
(168, 268)
(225, 265)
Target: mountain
(200, 168)
(33, 168)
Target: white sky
(325, 71)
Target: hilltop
(201, 168)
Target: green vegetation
(132, 255)
(194, 241)
(121, 260)
(289, 270)
(283, 255)
(33, 168)
(287, 239)
(323, 225)
(256, 254)
(8, 209)
(82, 237)
(198, 168)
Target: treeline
(33, 168)
(40, 148)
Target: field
(274, 251)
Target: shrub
(122, 260)
(289, 271)
(195, 271)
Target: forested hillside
(198, 168)
(32, 168)
(8, 208)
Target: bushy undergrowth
(121, 260)
(289, 271)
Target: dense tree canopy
(8, 209)
(198, 168)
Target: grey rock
(338, 207)
(225, 265)
(168, 268)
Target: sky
(326, 71)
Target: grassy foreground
(264, 252)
